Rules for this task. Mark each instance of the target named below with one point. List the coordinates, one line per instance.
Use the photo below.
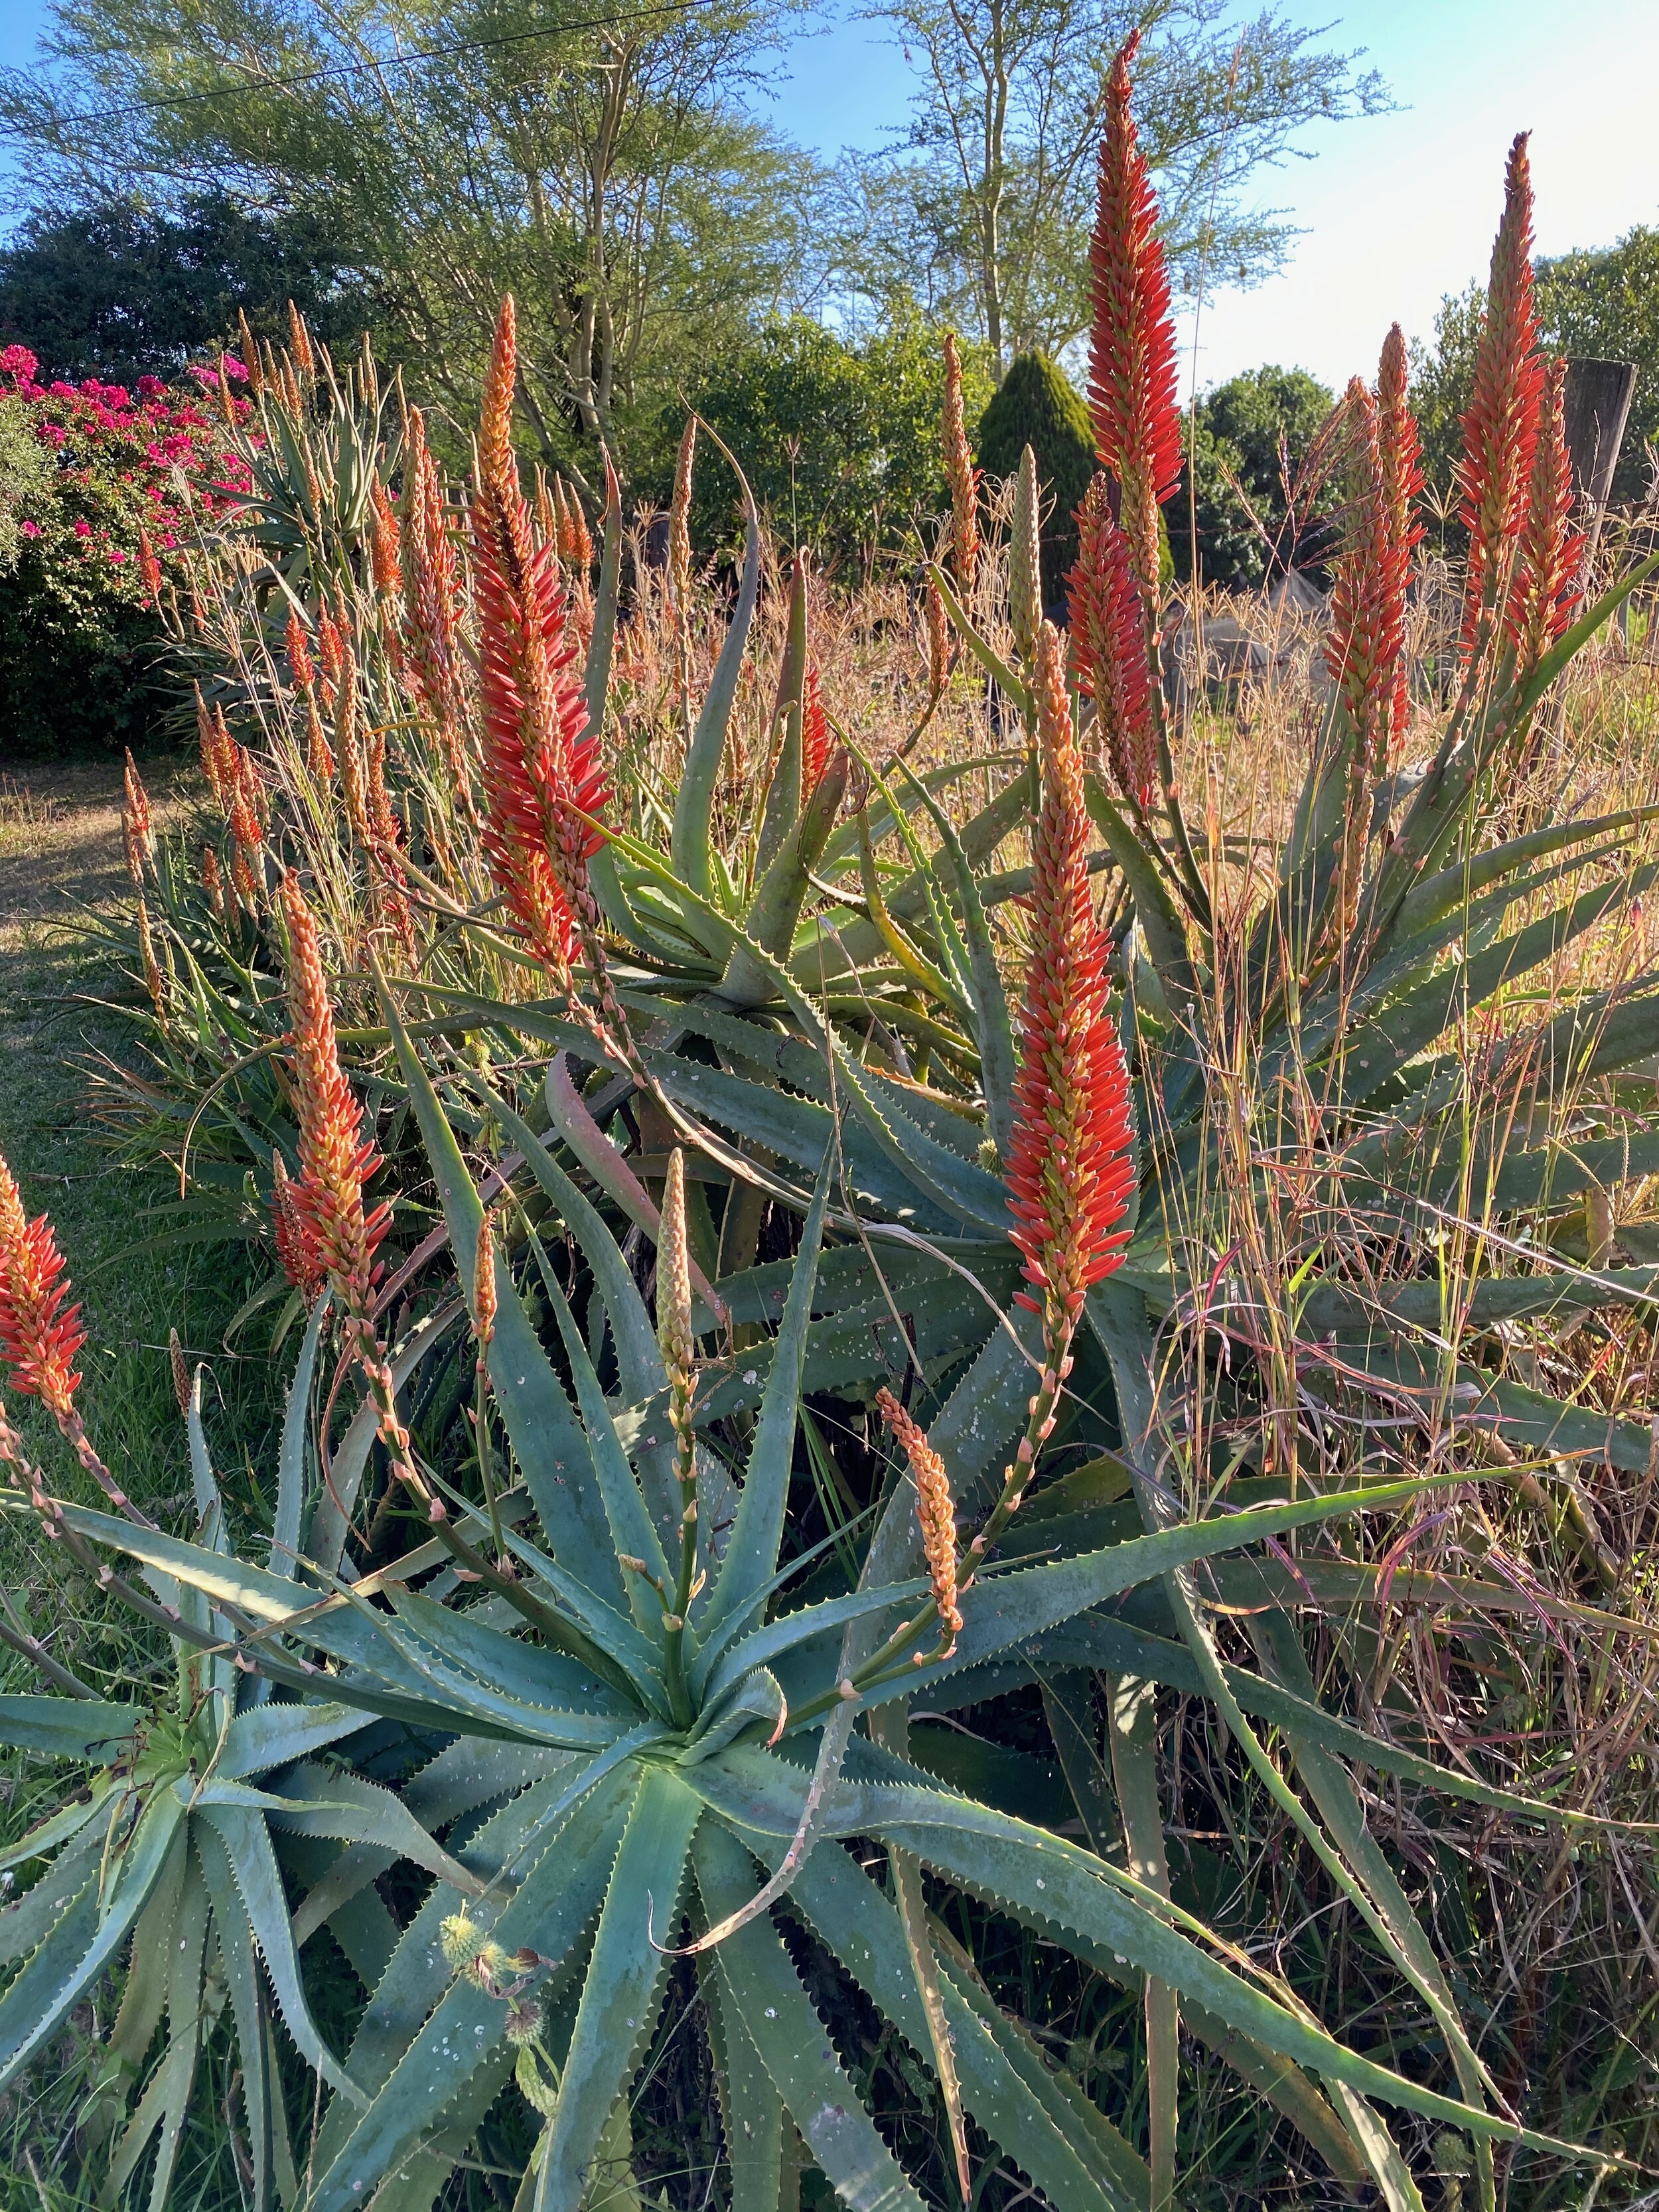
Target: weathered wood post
(1595, 406)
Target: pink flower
(117, 557)
(18, 361)
(61, 391)
(82, 527)
(29, 529)
(151, 387)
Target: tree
(1248, 442)
(1037, 405)
(602, 170)
(120, 290)
(982, 209)
(840, 442)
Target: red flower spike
(1400, 452)
(1364, 650)
(816, 744)
(1550, 553)
(541, 762)
(1500, 424)
(1131, 346)
(1071, 1170)
(40, 1333)
(1109, 646)
(383, 551)
(334, 1159)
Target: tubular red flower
(961, 475)
(431, 597)
(1550, 553)
(1109, 646)
(541, 762)
(1500, 424)
(39, 1332)
(1365, 647)
(296, 1247)
(334, 1159)
(1071, 1169)
(1132, 348)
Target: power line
(358, 69)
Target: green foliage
(839, 441)
(606, 173)
(983, 208)
(1248, 440)
(1037, 404)
(119, 291)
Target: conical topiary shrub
(1037, 405)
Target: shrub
(89, 467)
(1248, 440)
(837, 440)
(1036, 405)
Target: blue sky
(1398, 209)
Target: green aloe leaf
(690, 841)
(67, 1727)
(751, 1557)
(792, 2041)
(623, 1986)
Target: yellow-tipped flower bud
(460, 1938)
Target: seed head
(674, 1335)
(939, 643)
(299, 654)
(1366, 646)
(213, 880)
(935, 1508)
(1071, 1169)
(460, 1938)
(524, 2022)
(1400, 452)
(138, 832)
(39, 1332)
(181, 1367)
(385, 558)
(679, 527)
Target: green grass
(60, 853)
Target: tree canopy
(1248, 440)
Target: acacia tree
(982, 208)
(604, 171)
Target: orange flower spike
(40, 1333)
(1500, 423)
(149, 568)
(935, 1510)
(207, 738)
(938, 642)
(1364, 650)
(298, 655)
(148, 963)
(1550, 553)
(541, 763)
(961, 475)
(1071, 1171)
(386, 561)
(319, 755)
(1131, 349)
(1109, 646)
(392, 890)
(213, 880)
(335, 1158)
(138, 830)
